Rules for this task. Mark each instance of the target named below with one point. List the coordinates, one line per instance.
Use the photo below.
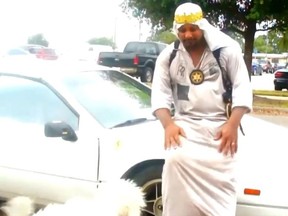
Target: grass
(267, 106)
(259, 101)
(271, 93)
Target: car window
(111, 97)
(255, 61)
(16, 52)
(151, 49)
(161, 47)
(28, 101)
(131, 47)
(50, 51)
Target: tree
(268, 43)
(163, 36)
(102, 41)
(244, 17)
(38, 39)
(261, 44)
(283, 42)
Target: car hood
(261, 158)
(146, 137)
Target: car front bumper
(260, 210)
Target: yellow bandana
(190, 18)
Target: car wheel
(254, 72)
(277, 88)
(149, 178)
(147, 75)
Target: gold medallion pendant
(196, 77)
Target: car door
(46, 168)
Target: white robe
(196, 177)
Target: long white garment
(197, 179)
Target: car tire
(149, 178)
(147, 75)
(277, 88)
(254, 72)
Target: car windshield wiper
(130, 122)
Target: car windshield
(111, 97)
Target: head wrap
(192, 14)
(187, 13)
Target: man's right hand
(172, 135)
(172, 130)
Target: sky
(67, 23)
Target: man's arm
(164, 115)
(236, 115)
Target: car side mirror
(60, 129)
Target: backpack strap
(173, 54)
(227, 95)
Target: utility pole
(115, 32)
(140, 30)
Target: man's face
(191, 36)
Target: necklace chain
(201, 59)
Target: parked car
(278, 66)
(93, 50)
(16, 56)
(17, 53)
(41, 52)
(266, 66)
(281, 79)
(137, 59)
(64, 133)
(256, 68)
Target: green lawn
(266, 102)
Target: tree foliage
(271, 42)
(102, 41)
(38, 39)
(243, 17)
(283, 42)
(163, 36)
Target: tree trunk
(249, 35)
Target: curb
(270, 111)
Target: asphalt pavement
(277, 116)
(275, 119)
(265, 82)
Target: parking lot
(265, 82)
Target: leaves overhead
(227, 14)
(243, 17)
(38, 39)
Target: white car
(63, 133)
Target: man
(200, 140)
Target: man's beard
(191, 44)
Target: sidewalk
(275, 119)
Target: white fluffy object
(118, 198)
